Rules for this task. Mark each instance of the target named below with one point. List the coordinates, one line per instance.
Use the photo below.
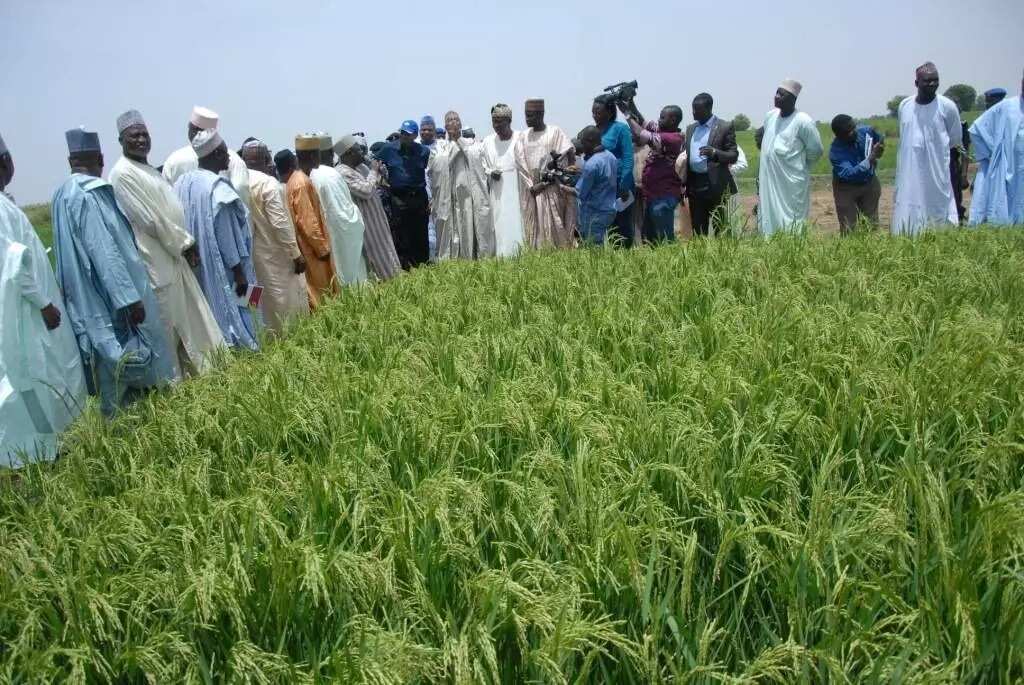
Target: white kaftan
(42, 386)
(791, 147)
(499, 156)
(274, 252)
(158, 221)
(924, 191)
(344, 223)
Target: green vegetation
(788, 461)
(39, 215)
(963, 95)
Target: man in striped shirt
(378, 245)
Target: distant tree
(979, 104)
(963, 95)
(741, 122)
(894, 105)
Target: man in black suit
(711, 144)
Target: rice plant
(795, 460)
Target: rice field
(726, 461)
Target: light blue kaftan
(100, 273)
(998, 139)
(217, 219)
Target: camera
(622, 92)
(556, 172)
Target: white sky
(274, 68)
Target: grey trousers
(853, 200)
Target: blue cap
(409, 126)
(995, 93)
(80, 140)
(427, 119)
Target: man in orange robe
(310, 230)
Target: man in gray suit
(711, 144)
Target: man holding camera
(662, 187)
(548, 211)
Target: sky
(275, 68)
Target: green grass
(728, 461)
(39, 215)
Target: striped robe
(378, 244)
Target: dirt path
(823, 210)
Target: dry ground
(823, 210)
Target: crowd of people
(159, 268)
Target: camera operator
(617, 139)
(662, 186)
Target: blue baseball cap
(409, 126)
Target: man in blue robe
(110, 303)
(218, 221)
(998, 137)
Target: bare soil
(823, 210)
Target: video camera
(557, 172)
(622, 92)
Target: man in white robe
(342, 216)
(184, 159)
(929, 128)
(791, 146)
(158, 221)
(276, 256)
(998, 137)
(548, 211)
(499, 161)
(42, 386)
(461, 205)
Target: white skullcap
(128, 119)
(3, 147)
(255, 142)
(345, 144)
(791, 86)
(203, 118)
(206, 142)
